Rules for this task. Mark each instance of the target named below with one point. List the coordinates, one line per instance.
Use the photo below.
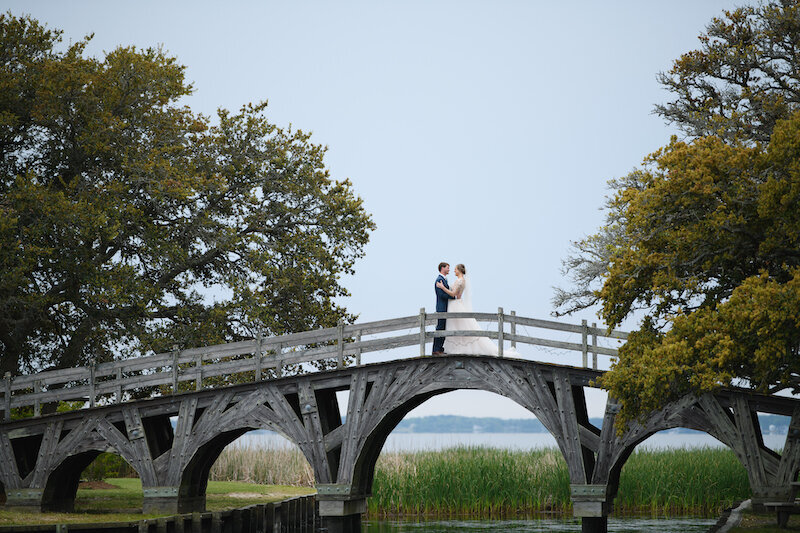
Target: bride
(462, 303)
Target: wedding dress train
(467, 345)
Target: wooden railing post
(198, 364)
(259, 355)
(358, 350)
(422, 332)
(7, 396)
(340, 343)
(175, 353)
(37, 388)
(513, 328)
(594, 345)
(279, 357)
(92, 382)
(119, 384)
(500, 332)
(585, 343)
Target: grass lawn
(124, 502)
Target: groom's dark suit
(441, 307)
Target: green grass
(485, 482)
(124, 503)
(701, 481)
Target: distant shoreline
(446, 424)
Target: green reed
(490, 482)
(264, 465)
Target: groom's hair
(442, 265)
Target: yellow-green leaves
(710, 248)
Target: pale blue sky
(475, 132)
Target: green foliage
(744, 77)
(122, 211)
(108, 465)
(711, 250)
(704, 238)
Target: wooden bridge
(289, 384)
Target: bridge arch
(62, 483)
(64, 455)
(375, 410)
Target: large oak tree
(129, 223)
(704, 238)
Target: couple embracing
(457, 300)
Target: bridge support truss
(41, 459)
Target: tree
(743, 79)
(703, 239)
(130, 224)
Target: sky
(481, 133)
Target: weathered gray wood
(175, 353)
(382, 326)
(9, 473)
(606, 446)
(790, 457)
(340, 344)
(92, 384)
(47, 448)
(37, 389)
(594, 345)
(118, 384)
(500, 332)
(569, 425)
(259, 355)
(7, 396)
(750, 437)
(422, 332)
(513, 322)
(394, 387)
(358, 349)
(571, 346)
(584, 343)
(49, 377)
(315, 447)
(125, 378)
(198, 379)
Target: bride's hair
(461, 268)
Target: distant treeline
(466, 424)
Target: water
(402, 442)
(549, 525)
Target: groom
(441, 306)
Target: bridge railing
(267, 357)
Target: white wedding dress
(467, 345)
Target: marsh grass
(266, 465)
(490, 482)
(470, 481)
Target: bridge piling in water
(594, 524)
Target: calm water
(618, 525)
(399, 442)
